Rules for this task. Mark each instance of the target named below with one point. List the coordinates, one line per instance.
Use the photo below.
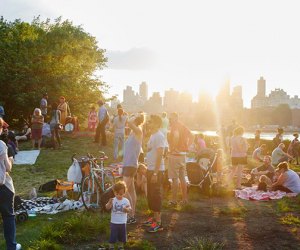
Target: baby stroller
(199, 173)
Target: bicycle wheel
(91, 193)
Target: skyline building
(143, 91)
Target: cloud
(133, 59)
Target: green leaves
(58, 57)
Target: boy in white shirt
(119, 206)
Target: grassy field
(205, 223)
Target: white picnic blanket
(250, 193)
(26, 157)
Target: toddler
(119, 206)
(141, 179)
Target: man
(265, 169)
(103, 118)
(44, 105)
(258, 153)
(7, 193)
(179, 140)
(155, 173)
(278, 155)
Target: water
(248, 135)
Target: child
(119, 206)
(264, 183)
(141, 179)
(92, 119)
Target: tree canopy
(54, 57)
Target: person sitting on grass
(119, 206)
(141, 179)
(258, 153)
(265, 169)
(288, 181)
(278, 155)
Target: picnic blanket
(26, 157)
(250, 193)
(45, 205)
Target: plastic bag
(74, 172)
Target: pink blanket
(250, 193)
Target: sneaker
(155, 227)
(148, 222)
(18, 246)
(131, 220)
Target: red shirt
(179, 137)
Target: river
(248, 135)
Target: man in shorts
(179, 140)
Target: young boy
(119, 206)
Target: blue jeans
(8, 217)
(118, 139)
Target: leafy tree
(58, 58)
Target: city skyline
(262, 98)
(185, 46)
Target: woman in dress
(37, 122)
(239, 148)
(64, 110)
(54, 125)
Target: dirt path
(238, 224)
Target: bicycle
(98, 182)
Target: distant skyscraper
(144, 91)
(129, 96)
(171, 100)
(237, 97)
(261, 87)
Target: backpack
(49, 186)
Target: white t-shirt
(118, 216)
(156, 141)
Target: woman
(25, 135)
(7, 192)
(64, 110)
(133, 148)
(288, 180)
(37, 122)
(239, 148)
(55, 124)
(92, 119)
(119, 122)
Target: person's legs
(33, 143)
(57, 135)
(97, 135)
(174, 188)
(103, 135)
(8, 217)
(173, 174)
(239, 175)
(183, 184)
(116, 146)
(130, 194)
(39, 143)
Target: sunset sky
(186, 45)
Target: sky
(189, 45)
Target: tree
(58, 58)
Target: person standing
(133, 148)
(239, 148)
(155, 173)
(64, 109)
(54, 126)
(92, 119)
(119, 123)
(7, 192)
(44, 106)
(179, 140)
(37, 122)
(103, 119)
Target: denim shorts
(154, 191)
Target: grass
(200, 243)
(291, 220)
(234, 211)
(286, 204)
(139, 245)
